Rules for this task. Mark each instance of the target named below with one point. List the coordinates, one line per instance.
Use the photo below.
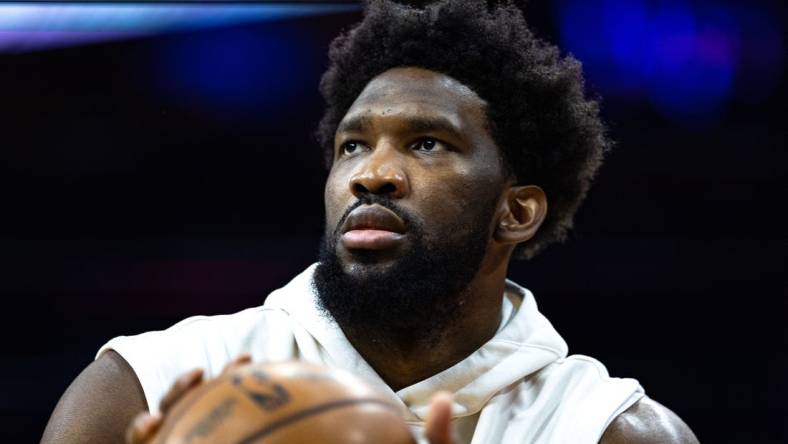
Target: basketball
(290, 402)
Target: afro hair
(549, 134)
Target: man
(449, 131)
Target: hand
(439, 429)
(143, 428)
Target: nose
(382, 173)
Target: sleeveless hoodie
(519, 387)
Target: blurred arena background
(158, 163)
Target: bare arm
(99, 405)
(648, 422)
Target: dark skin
(420, 137)
(388, 142)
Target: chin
(361, 263)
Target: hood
(525, 343)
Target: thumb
(439, 419)
(143, 429)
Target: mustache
(371, 199)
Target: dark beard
(415, 300)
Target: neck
(401, 365)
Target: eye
(348, 148)
(426, 144)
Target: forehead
(411, 90)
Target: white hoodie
(519, 387)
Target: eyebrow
(355, 124)
(413, 124)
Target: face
(419, 139)
(410, 199)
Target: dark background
(147, 180)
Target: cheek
(331, 200)
(460, 188)
(446, 203)
(463, 206)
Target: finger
(183, 385)
(142, 429)
(439, 419)
(240, 361)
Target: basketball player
(456, 141)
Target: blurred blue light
(236, 70)
(684, 57)
(147, 17)
(34, 26)
(627, 34)
(695, 67)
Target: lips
(372, 227)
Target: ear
(521, 214)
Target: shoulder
(207, 342)
(587, 380)
(647, 422)
(98, 404)
(203, 336)
(197, 336)
(196, 330)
